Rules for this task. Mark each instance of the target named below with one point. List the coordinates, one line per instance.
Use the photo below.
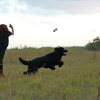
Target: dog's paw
(25, 73)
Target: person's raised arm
(12, 29)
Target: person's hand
(10, 26)
(11, 29)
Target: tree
(94, 45)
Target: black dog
(47, 61)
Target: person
(4, 42)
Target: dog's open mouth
(65, 52)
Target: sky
(77, 22)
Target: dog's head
(61, 51)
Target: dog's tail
(23, 61)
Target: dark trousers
(2, 52)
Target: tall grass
(77, 79)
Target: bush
(94, 45)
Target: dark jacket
(4, 40)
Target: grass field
(77, 79)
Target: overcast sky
(77, 21)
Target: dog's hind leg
(34, 71)
(25, 73)
(28, 71)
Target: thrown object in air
(55, 29)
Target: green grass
(77, 79)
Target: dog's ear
(59, 48)
(56, 48)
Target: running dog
(48, 61)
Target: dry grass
(78, 79)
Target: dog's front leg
(60, 63)
(49, 65)
(52, 67)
